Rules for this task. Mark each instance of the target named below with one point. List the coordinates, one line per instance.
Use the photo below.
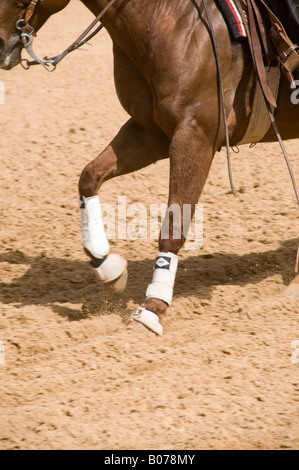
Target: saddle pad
(233, 18)
(259, 122)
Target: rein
(28, 33)
(220, 83)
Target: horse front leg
(133, 148)
(191, 155)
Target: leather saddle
(272, 37)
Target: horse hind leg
(191, 155)
(132, 149)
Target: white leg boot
(111, 268)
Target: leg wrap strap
(163, 278)
(93, 234)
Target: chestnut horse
(166, 78)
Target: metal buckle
(285, 54)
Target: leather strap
(257, 54)
(288, 53)
(30, 10)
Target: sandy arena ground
(75, 377)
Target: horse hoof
(293, 289)
(147, 320)
(117, 286)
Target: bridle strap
(28, 15)
(30, 10)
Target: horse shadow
(55, 281)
